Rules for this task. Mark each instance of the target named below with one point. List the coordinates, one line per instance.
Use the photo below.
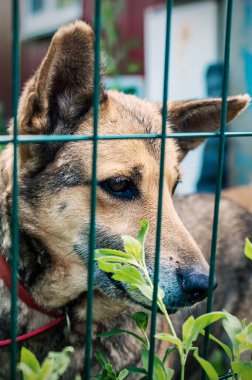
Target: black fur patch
(35, 260)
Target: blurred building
(137, 57)
(41, 18)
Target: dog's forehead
(124, 114)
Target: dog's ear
(61, 91)
(201, 116)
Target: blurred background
(133, 41)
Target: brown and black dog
(54, 201)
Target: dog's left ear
(201, 116)
(61, 91)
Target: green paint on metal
(220, 170)
(92, 235)
(169, 4)
(24, 139)
(16, 140)
(15, 232)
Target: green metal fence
(16, 140)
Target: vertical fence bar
(92, 236)
(169, 4)
(14, 220)
(220, 169)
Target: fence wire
(16, 140)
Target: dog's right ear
(201, 116)
(61, 91)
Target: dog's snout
(195, 285)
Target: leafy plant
(130, 267)
(248, 249)
(108, 373)
(52, 368)
(116, 52)
(240, 335)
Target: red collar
(24, 296)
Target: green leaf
(108, 267)
(137, 370)
(222, 345)
(187, 328)
(199, 324)
(112, 255)
(161, 293)
(243, 369)
(61, 360)
(129, 275)
(28, 358)
(132, 246)
(116, 259)
(145, 359)
(241, 337)
(145, 290)
(142, 235)
(141, 320)
(100, 358)
(122, 374)
(171, 339)
(208, 368)
(169, 373)
(27, 372)
(159, 370)
(122, 331)
(46, 372)
(233, 327)
(248, 249)
(168, 353)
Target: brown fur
(242, 195)
(233, 269)
(54, 198)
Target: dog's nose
(195, 285)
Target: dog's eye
(120, 187)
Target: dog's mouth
(133, 299)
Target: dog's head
(55, 179)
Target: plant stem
(182, 371)
(166, 315)
(147, 339)
(160, 302)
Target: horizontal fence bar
(26, 139)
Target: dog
(54, 202)
(233, 269)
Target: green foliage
(240, 335)
(130, 267)
(160, 372)
(248, 249)
(108, 373)
(52, 368)
(141, 320)
(116, 49)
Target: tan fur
(55, 189)
(242, 195)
